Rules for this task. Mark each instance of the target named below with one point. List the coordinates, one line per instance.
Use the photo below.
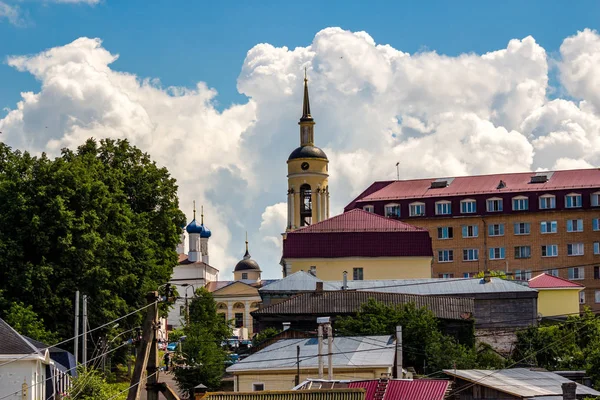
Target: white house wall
(13, 375)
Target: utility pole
(76, 327)
(399, 361)
(147, 357)
(320, 349)
(330, 352)
(84, 329)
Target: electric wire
(81, 334)
(132, 386)
(69, 370)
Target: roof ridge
(555, 278)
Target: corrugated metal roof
(465, 185)
(520, 382)
(358, 220)
(547, 281)
(401, 389)
(348, 302)
(303, 281)
(321, 394)
(349, 352)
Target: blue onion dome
(195, 227)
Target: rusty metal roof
(349, 302)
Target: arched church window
(222, 306)
(305, 205)
(238, 305)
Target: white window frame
(574, 196)
(369, 208)
(500, 229)
(362, 273)
(542, 201)
(595, 199)
(553, 272)
(553, 224)
(597, 296)
(496, 200)
(443, 203)
(469, 203)
(446, 276)
(553, 253)
(571, 248)
(576, 227)
(522, 274)
(412, 209)
(596, 248)
(475, 231)
(474, 252)
(449, 253)
(501, 253)
(525, 224)
(580, 273)
(596, 224)
(392, 205)
(522, 203)
(448, 229)
(582, 297)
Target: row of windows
(573, 273)
(499, 253)
(495, 204)
(519, 228)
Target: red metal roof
(358, 220)
(480, 184)
(546, 281)
(418, 389)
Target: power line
(69, 370)
(134, 385)
(81, 334)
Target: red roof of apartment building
(480, 184)
(358, 233)
(418, 389)
(547, 281)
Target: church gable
(236, 288)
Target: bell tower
(308, 173)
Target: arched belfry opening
(305, 205)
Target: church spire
(307, 130)
(194, 209)
(202, 215)
(247, 254)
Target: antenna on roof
(398, 170)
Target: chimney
(319, 286)
(345, 281)
(286, 325)
(569, 390)
(486, 276)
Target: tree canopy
(103, 219)
(202, 351)
(424, 346)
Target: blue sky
(182, 42)
(529, 104)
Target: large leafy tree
(202, 350)
(424, 346)
(103, 219)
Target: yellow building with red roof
(556, 296)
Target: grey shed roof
(521, 382)
(303, 281)
(350, 352)
(13, 343)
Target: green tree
(265, 334)
(493, 274)
(203, 355)
(25, 321)
(422, 341)
(103, 219)
(91, 385)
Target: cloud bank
(374, 106)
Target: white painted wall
(13, 375)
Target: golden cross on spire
(194, 209)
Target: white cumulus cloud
(374, 106)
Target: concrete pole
(76, 328)
(330, 352)
(320, 350)
(84, 330)
(399, 352)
